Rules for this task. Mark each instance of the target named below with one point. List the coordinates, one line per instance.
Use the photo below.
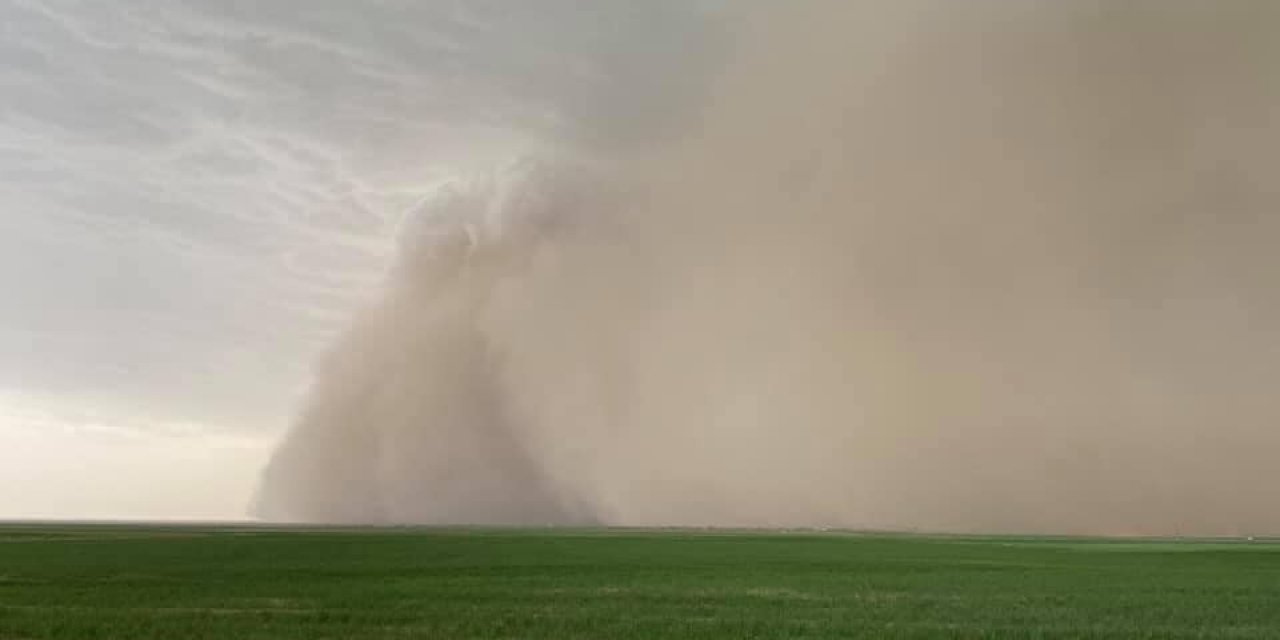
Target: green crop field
(188, 582)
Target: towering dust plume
(985, 266)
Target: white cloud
(80, 464)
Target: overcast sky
(194, 195)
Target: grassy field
(127, 582)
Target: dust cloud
(919, 264)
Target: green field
(181, 582)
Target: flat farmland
(137, 582)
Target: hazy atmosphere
(986, 266)
(196, 194)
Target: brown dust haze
(972, 266)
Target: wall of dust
(984, 266)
